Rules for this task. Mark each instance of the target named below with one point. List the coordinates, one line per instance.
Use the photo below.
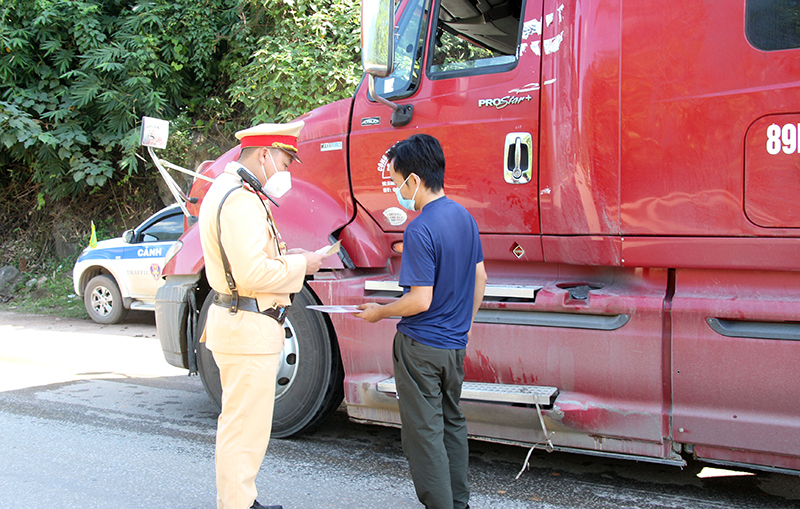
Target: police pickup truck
(124, 273)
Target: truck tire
(310, 377)
(103, 300)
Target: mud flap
(172, 312)
(191, 326)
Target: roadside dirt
(137, 324)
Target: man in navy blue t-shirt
(443, 280)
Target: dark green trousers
(434, 430)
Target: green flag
(93, 238)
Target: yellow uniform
(246, 346)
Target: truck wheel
(309, 382)
(103, 300)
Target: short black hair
(422, 155)
(248, 151)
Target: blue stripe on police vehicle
(154, 250)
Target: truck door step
(495, 393)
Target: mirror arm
(402, 113)
(378, 98)
(179, 195)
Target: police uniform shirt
(258, 268)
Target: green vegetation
(76, 76)
(309, 57)
(51, 294)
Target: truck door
(471, 71)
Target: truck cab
(632, 167)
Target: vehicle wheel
(103, 300)
(206, 365)
(309, 383)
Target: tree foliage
(76, 76)
(308, 57)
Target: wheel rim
(287, 369)
(102, 301)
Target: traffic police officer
(253, 276)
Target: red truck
(634, 169)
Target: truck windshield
(409, 39)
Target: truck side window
(773, 24)
(473, 38)
(409, 40)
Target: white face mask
(279, 183)
(409, 204)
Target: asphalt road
(92, 416)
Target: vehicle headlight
(172, 251)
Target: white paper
(335, 309)
(332, 249)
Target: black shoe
(256, 505)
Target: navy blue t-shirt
(440, 249)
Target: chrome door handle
(518, 167)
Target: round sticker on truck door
(395, 215)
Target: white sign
(327, 147)
(154, 132)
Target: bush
(78, 75)
(308, 57)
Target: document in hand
(332, 249)
(335, 309)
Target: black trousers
(434, 430)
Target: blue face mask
(406, 204)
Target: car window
(475, 38)
(169, 228)
(773, 24)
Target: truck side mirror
(154, 132)
(377, 37)
(377, 52)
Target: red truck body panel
(662, 154)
